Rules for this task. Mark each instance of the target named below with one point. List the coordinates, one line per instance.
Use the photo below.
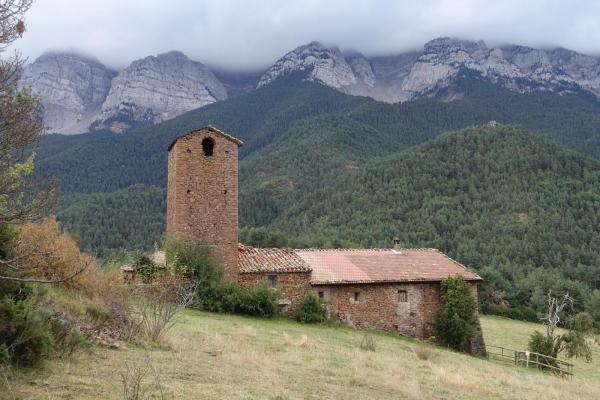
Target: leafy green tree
(593, 306)
(456, 319)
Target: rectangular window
(402, 296)
(273, 281)
(321, 295)
(357, 297)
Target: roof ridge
(211, 128)
(372, 249)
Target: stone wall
(381, 306)
(292, 286)
(202, 194)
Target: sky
(252, 34)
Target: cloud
(242, 34)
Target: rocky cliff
(157, 88)
(419, 73)
(78, 92)
(71, 87)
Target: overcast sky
(251, 34)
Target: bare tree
(161, 303)
(556, 306)
(573, 340)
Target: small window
(358, 297)
(321, 294)
(273, 281)
(402, 296)
(207, 147)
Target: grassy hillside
(266, 359)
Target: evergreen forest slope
(320, 168)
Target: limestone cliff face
(323, 64)
(158, 88)
(414, 74)
(71, 88)
(78, 93)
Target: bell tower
(202, 192)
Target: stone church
(395, 289)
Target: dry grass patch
(269, 359)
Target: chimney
(397, 246)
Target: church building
(395, 289)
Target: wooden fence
(530, 359)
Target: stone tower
(202, 192)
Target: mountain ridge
(145, 92)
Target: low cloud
(241, 34)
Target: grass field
(212, 356)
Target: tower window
(207, 147)
(402, 296)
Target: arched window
(207, 147)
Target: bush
(311, 309)
(259, 301)
(196, 262)
(25, 331)
(52, 254)
(495, 309)
(523, 313)
(368, 343)
(147, 269)
(456, 320)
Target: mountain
(158, 88)
(79, 93)
(412, 75)
(72, 89)
(299, 136)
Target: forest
(322, 169)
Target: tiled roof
(212, 129)
(381, 265)
(253, 260)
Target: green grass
(212, 356)
(512, 334)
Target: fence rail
(530, 359)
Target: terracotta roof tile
(253, 260)
(381, 265)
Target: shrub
(311, 309)
(53, 255)
(97, 313)
(495, 309)
(424, 353)
(147, 269)
(4, 354)
(523, 313)
(259, 301)
(368, 343)
(456, 320)
(25, 330)
(196, 262)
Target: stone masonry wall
(379, 306)
(291, 285)
(202, 194)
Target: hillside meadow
(215, 356)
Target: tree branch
(36, 280)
